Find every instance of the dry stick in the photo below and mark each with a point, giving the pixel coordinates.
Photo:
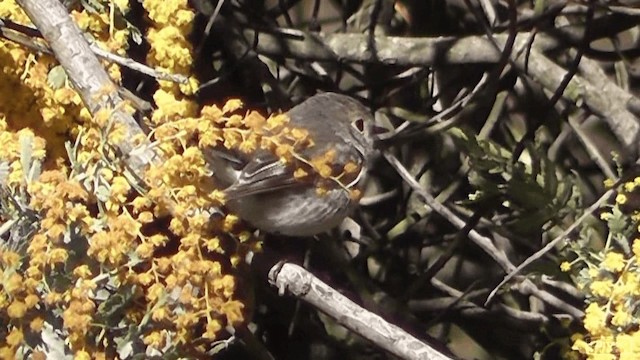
(303, 285)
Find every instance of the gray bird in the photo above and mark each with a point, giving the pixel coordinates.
(263, 191)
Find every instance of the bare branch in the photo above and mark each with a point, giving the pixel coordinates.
(305, 286)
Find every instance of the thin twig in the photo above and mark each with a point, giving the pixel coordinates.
(482, 241)
(22, 35)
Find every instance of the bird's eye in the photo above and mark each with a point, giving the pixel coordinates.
(358, 124)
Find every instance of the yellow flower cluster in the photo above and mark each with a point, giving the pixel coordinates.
(611, 280)
(95, 232)
(171, 50)
(26, 97)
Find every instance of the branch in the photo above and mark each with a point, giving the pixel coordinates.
(305, 286)
(617, 107)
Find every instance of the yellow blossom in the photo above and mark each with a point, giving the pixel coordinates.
(629, 186)
(614, 261)
(580, 345)
(636, 248)
(145, 250)
(145, 278)
(276, 121)
(595, 320)
(232, 105)
(13, 284)
(58, 256)
(602, 288)
(621, 317)
(154, 339)
(17, 309)
(145, 217)
(81, 355)
(229, 222)
(15, 337)
(300, 173)
(160, 314)
(36, 325)
(31, 301)
(7, 352)
(254, 120)
(212, 328)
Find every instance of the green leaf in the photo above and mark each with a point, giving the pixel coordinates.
(57, 77)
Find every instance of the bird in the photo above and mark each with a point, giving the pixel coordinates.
(264, 191)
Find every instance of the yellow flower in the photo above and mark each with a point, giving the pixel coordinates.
(614, 261)
(13, 284)
(17, 309)
(58, 256)
(213, 244)
(36, 324)
(233, 311)
(595, 320)
(145, 250)
(15, 337)
(211, 113)
(9, 258)
(120, 188)
(154, 339)
(300, 173)
(232, 105)
(276, 121)
(629, 186)
(160, 314)
(52, 298)
(621, 199)
(628, 346)
(602, 288)
(212, 328)
(565, 266)
(145, 217)
(155, 291)
(254, 120)
(229, 222)
(31, 301)
(580, 345)
(7, 352)
(621, 317)
(145, 278)
(82, 355)
(603, 347)
(636, 248)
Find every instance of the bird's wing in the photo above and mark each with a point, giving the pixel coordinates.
(262, 175)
